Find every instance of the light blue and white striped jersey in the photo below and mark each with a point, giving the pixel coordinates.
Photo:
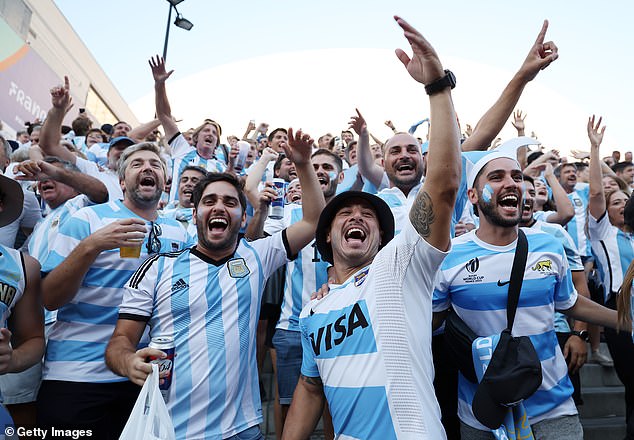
(46, 231)
(474, 281)
(78, 339)
(100, 153)
(543, 216)
(577, 226)
(369, 340)
(211, 309)
(183, 155)
(12, 281)
(613, 249)
(304, 276)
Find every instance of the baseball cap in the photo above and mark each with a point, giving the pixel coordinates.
(12, 198)
(383, 212)
(121, 140)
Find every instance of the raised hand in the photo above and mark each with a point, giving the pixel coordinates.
(357, 123)
(266, 196)
(580, 155)
(424, 65)
(389, 124)
(60, 96)
(518, 121)
(540, 56)
(157, 64)
(269, 155)
(595, 131)
(299, 147)
(35, 170)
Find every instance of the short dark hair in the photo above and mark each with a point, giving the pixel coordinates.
(620, 166)
(325, 152)
(528, 178)
(278, 162)
(201, 170)
(534, 155)
(272, 134)
(81, 126)
(210, 178)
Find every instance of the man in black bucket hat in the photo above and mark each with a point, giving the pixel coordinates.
(367, 344)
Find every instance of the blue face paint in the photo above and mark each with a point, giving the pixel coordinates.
(332, 176)
(487, 193)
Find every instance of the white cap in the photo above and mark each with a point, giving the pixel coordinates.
(477, 167)
(507, 150)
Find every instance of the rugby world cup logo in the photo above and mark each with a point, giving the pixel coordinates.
(473, 265)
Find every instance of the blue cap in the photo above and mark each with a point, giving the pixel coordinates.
(121, 140)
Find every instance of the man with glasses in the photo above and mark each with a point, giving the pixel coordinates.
(94, 254)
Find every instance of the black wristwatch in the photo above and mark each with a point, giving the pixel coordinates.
(583, 334)
(449, 80)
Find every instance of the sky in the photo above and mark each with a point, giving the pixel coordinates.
(309, 64)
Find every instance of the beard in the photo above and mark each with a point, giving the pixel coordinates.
(144, 200)
(228, 242)
(489, 211)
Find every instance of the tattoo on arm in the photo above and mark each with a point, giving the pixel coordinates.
(315, 381)
(422, 214)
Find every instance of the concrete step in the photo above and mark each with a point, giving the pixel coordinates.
(604, 428)
(602, 402)
(594, 375)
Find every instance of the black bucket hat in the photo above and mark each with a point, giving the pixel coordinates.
(383, 212)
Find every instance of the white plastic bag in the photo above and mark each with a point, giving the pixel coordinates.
(149, 419)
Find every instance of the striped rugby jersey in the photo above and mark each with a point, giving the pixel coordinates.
(613, 249)
(369, 340)
(12, 281)
(577, 226)
(183, 155)
(474, 279)
(211, 309)
(78, 339)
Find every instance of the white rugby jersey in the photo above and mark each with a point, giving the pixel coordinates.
(577, 226)
(474, 279)
(183, 155)
(613, 249)
(211, 310)
(369, 340)
(78, 339)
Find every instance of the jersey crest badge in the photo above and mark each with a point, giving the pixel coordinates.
(360, 278)
(238, 268)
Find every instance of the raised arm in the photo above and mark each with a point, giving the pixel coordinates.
(80, 182)
(565, 211)
(257, 171)
(539, 57)
(434, 204)
(140, 132)
(163, 109)
(50, 134)
(298, 150)
(365, 159)
(596, 203)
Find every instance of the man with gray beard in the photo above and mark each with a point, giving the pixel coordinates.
(95, 252)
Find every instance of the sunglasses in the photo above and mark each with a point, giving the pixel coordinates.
(153, 244)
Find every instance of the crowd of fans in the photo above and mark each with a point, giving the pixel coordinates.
(229, 278)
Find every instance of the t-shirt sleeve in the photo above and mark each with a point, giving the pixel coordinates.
(180, 147)
(31, 211)
(272, 251)
(599, 229)
(138, 292)
(309, 366)
(565, 293)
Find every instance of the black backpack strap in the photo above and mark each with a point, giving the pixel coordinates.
(517, 276)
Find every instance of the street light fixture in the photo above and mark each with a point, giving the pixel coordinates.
(180, 22)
